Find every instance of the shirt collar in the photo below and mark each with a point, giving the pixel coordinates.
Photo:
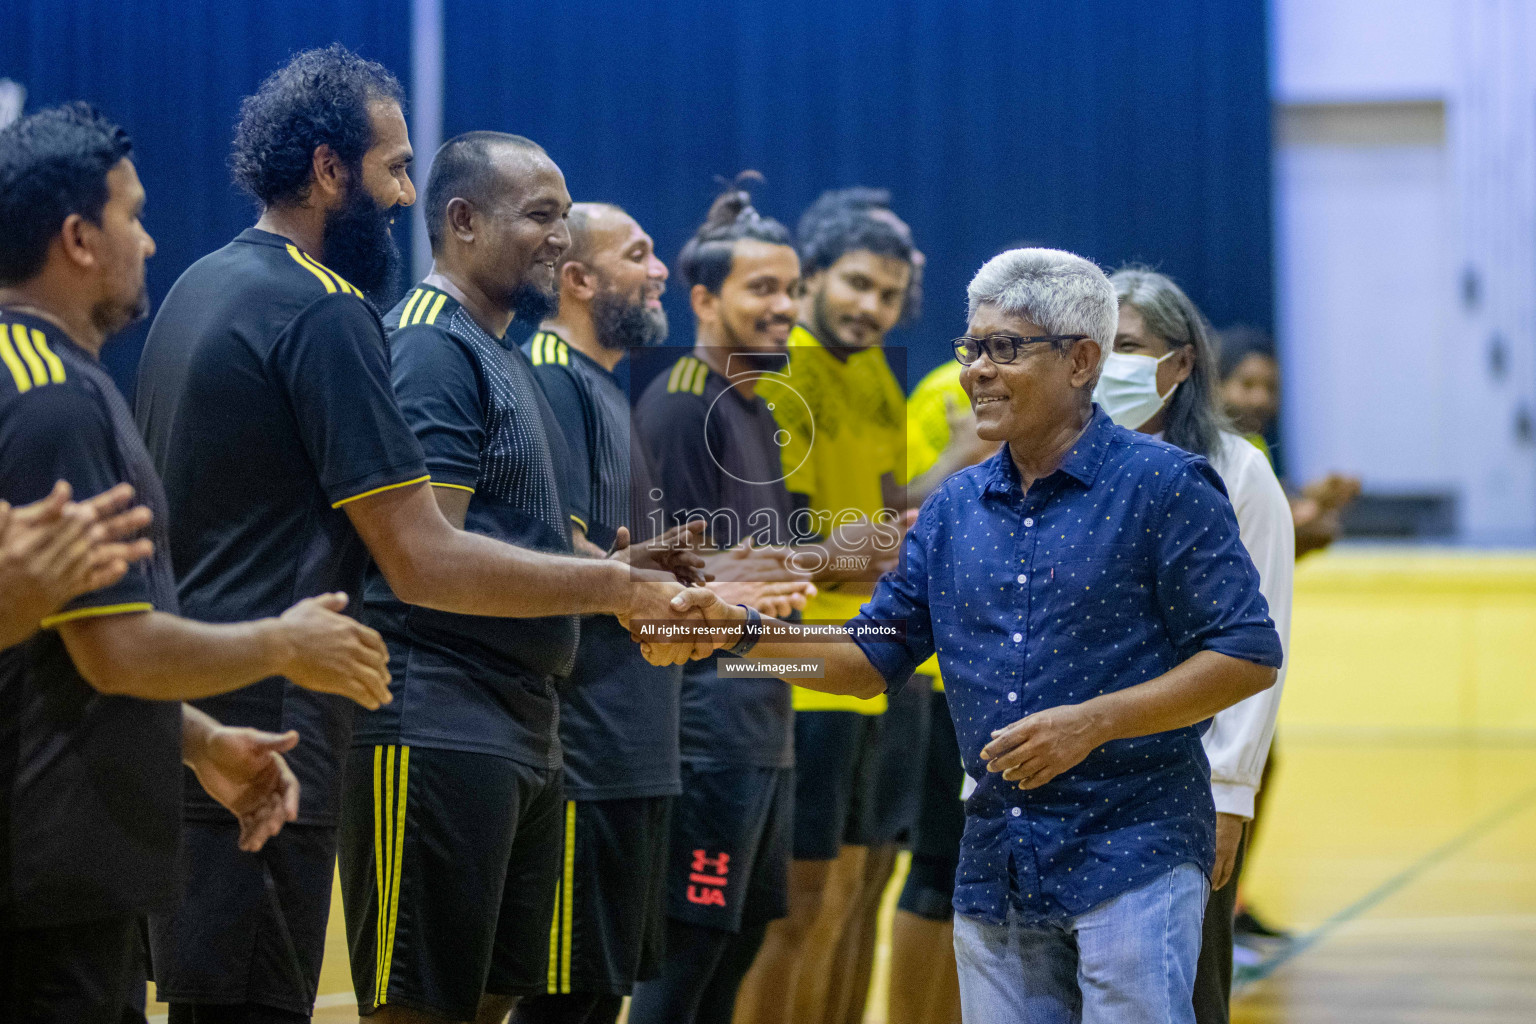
(1081, 464)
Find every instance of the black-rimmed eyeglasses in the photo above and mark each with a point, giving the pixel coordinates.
(1004, 348)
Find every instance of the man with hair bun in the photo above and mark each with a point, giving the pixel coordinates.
(843, 412)
(710, 437)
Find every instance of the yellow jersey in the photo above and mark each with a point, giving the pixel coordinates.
(844, 429)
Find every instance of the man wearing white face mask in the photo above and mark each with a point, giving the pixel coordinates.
(1161, 379)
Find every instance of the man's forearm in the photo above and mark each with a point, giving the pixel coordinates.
(1189, 693)
(196, 728)
(14, 628)
(847, 669)
(473, 575)
(158, 656)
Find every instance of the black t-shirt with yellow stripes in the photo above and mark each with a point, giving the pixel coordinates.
(265, 401)
(90, 784)
(475, 683)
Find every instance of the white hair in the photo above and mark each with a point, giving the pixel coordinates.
(1060, 291)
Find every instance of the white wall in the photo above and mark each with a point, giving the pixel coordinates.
(1405, 134)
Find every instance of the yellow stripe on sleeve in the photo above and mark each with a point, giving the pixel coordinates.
(437, 307)
(578, 521)
(568, 912)
(298, 258)
(410, 304)
(562, 352)
(33, 360)
(342, 283)
(13, 362)
(676, 375)
(536, 350)
(457, 487)
(421, 307)
(128, 608)
(379, 490)
(55, 364)
(699, 377)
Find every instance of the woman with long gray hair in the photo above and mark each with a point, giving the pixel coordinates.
(1161, 379)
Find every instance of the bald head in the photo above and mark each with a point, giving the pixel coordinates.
(478, 167)
(594, 227)
(610, 278)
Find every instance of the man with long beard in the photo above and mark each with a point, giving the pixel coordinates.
(618, 714)
(265, 398)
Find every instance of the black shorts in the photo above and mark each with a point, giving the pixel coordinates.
(930, 887)
(464, 869)
(86, 973)
(609, 926)
(837, 772)
(728, 866)
(899, 772)
(251, 926)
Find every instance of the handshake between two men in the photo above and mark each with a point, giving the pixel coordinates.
(690, 604)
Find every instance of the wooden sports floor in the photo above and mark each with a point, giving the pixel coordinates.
(1399, 839)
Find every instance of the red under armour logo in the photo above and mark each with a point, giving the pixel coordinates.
(708, 875)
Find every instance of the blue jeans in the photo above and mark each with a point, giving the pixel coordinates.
(1130, 960)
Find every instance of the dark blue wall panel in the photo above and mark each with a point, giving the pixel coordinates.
(1119, 129)
(173, 72)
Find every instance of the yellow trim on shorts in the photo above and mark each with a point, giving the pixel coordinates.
(131, 607)
(388, 847)
(570, 897)
(560, 921)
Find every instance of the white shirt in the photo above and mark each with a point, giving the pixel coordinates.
(1237, 743)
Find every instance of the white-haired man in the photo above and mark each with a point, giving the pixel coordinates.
(1090, 603)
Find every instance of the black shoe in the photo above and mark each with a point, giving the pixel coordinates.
(1249, 925)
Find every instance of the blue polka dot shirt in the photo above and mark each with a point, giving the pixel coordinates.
(1109, 572)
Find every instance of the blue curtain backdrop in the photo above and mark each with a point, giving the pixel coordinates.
(173, 73)
(1119, 129)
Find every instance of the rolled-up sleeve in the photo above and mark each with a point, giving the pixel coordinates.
(1207, 586)
(902, 595)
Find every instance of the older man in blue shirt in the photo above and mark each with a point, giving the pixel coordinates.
(1091, 607)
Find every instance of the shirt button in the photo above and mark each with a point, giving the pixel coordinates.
(1023, 578)
(1017, 637)
(1030, 521)
(1013, 695)
(1017, 812)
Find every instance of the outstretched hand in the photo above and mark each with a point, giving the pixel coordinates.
(674, 552)
(244, 770)
(704, 607)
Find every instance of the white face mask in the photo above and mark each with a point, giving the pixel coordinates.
(1127, 389)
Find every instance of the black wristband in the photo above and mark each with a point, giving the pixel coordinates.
(751, 633)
